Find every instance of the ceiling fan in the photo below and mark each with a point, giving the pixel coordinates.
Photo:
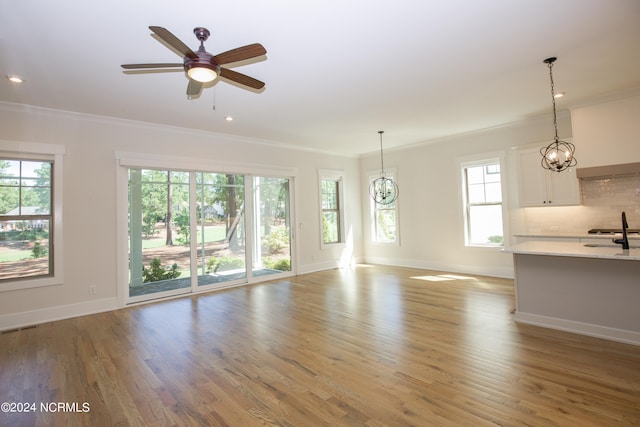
(202, 67)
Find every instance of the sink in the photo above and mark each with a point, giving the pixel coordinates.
(602, 245)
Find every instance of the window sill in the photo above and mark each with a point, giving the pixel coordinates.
(29, 283)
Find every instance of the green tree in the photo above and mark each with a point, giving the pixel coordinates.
(9, 191)
(162, 191)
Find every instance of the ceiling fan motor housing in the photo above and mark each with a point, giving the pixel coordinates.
(204, 60)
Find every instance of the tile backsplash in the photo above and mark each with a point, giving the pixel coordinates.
(620, 191)
(603, 199)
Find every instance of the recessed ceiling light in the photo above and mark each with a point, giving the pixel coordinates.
(15, 79)
(229, 118)
(559, 95)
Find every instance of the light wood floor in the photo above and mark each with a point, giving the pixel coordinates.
(371, 346)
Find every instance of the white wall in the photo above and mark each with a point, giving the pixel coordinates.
(430, 202)
(89, 206)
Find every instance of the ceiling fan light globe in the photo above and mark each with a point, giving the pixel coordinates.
(202, 74)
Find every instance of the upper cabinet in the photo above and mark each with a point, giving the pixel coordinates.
(541, 187)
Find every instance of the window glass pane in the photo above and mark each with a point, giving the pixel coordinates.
(9, 200)
(272, 249)
(485, 225)
(386, 225)
(35, 201)
(476, 193)
(493, 192)
(159, 233)
(330, 227)
(220, 228)
(25, 187)
(9, 172)
(329, 194)
(475, 175)
(24, 248)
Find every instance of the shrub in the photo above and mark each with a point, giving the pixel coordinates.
(38, 250)
(281, 264)
(156, 272)
(276, 240)
(223, 263)
(497, 240)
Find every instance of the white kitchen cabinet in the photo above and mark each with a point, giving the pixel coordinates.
(541, 187)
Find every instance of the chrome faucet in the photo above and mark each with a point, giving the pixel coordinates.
(625, 240)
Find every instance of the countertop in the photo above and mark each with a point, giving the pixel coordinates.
(570, 235)
(575, 249)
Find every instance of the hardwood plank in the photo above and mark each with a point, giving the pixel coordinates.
(368, 346)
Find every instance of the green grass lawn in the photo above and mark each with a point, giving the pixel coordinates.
(7, 255)
(212, 233)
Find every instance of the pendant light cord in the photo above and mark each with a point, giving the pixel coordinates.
(553, 99)
(381, 155)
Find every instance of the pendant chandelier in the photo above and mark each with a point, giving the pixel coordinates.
(559, 155)
(383, 190)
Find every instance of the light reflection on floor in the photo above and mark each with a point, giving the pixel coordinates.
(443, 277)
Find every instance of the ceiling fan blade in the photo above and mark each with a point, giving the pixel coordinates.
(173, 41)
(158, 65)
(240, 54)
(194, 88)
(243, 79)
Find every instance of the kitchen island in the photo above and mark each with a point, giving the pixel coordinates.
(587, 289)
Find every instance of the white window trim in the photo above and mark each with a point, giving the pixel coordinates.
(55, 153)
(371, 175)
(477, 160)
(338, 176)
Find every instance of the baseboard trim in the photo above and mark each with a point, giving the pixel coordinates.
(326, 265)
(612, 334)
(506, 273)
(50, 314)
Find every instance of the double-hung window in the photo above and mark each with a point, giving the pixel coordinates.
(483, 202)
(384, 217)
(30, 223)
(331, 201)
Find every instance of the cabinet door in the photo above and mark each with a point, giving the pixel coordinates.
(540, 187)
(562, 188)
(531, 179)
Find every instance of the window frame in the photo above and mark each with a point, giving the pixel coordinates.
(336, 176)
(53, 153)
(374, 208)
(485, 160)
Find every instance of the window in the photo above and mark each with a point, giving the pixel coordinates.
(482, 189)
(331, 202)
(330, 211)
(30, 217)
(384, 217)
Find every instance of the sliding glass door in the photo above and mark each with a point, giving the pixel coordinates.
(192, 231)
(272, 226)
(221, 228)
(159, 232)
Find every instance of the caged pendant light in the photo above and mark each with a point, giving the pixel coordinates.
(559, 155)
(383, 190)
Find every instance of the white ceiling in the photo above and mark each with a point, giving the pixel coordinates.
(336, 71)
